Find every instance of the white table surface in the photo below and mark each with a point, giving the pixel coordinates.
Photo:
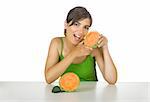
(87, 92)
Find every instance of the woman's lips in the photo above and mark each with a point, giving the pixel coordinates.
(77, 37)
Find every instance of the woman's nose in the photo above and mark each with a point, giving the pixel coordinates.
(81, 30)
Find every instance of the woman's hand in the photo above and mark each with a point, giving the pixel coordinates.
(82, 50)
(102, 41)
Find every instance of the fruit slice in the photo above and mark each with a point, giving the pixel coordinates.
(69, 82)
(91, 39)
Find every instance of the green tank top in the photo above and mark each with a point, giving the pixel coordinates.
(85, 70)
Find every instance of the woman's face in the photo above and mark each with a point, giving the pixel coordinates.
(76, 32)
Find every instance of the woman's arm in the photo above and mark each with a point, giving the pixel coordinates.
(54, 69)
(105, 62)
(110, 71)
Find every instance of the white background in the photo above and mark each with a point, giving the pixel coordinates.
(27, 27)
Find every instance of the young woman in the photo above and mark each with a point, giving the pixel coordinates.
(69, 54)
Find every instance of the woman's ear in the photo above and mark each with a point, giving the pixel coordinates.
(65, 25)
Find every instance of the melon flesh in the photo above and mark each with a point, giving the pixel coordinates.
(91, 39)
(69, 81)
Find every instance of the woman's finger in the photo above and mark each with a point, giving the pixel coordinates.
(88, 48)
(100, 40)
(100, 36)
(100, 45)
(81, 43)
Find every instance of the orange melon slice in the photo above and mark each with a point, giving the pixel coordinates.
(91, 39)
(69, 82)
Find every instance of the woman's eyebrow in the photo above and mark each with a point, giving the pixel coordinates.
(87, 25)
(80, 24)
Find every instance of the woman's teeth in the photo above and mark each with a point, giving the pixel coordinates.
(77, 37)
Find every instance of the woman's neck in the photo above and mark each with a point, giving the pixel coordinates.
(68, 43)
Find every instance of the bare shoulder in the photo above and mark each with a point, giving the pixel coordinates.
(56, 43)
(56, 40)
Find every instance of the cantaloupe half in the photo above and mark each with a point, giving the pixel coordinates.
(69, 82)
(91, 39)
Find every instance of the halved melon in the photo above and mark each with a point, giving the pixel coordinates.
(69, 82)
(91, 39)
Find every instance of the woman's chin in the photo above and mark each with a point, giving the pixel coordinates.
(75, 43)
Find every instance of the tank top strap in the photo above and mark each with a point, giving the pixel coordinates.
(62, 45)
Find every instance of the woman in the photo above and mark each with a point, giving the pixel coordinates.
(69, 54)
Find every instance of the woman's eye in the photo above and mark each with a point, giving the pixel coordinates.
(87, 28)
(76, 24)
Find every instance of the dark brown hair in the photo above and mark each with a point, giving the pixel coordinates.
(76, 14)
